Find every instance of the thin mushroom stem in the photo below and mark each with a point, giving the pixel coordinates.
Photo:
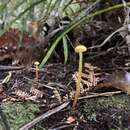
(79, 49)
(78, 80)
(37, 70)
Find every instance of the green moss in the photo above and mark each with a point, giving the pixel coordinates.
(117, 101)
(18, 113)
(106, 109)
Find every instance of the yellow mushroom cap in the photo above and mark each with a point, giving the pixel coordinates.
(80, 48)
(36, 63)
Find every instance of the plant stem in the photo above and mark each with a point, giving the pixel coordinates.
(37, 69)
(77, 93)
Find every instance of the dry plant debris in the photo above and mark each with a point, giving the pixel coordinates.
(89, 78)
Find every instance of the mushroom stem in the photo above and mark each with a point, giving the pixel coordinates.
(79, 49)
(77, 93)
(37, 69)
(37, 72)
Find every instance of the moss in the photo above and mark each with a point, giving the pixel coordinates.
(106, 110)
(18, 113)
(117, 101)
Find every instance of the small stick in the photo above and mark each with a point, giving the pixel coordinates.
(106, 94)
(43, 116)
(11, 68)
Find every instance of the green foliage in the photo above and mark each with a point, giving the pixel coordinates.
(19, 114)
(12, 11)
(65, 46)
(75, 24)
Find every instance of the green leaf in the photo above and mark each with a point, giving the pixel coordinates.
(65, 47)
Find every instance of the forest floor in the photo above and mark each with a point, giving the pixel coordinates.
(46, 103)
(23, 99)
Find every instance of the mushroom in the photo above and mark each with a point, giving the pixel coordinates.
(37, 69)
(79, 49)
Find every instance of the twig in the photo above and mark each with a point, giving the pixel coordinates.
(50, 35)
(39, 84)
(43, 116)
(102, 53)
(100, 95)
(11, 68)
(65, 126)
(108, 38)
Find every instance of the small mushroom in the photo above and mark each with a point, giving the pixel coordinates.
(79, 49)
(37, 69)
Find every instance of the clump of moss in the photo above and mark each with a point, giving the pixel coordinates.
(18, 113)
(106, 112)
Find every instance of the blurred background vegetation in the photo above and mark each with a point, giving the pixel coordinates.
(17, 13)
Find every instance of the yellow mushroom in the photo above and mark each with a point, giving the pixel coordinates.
(37, 69)
(79, 49)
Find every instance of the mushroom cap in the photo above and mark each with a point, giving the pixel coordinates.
(36, 63)
(80, 48)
